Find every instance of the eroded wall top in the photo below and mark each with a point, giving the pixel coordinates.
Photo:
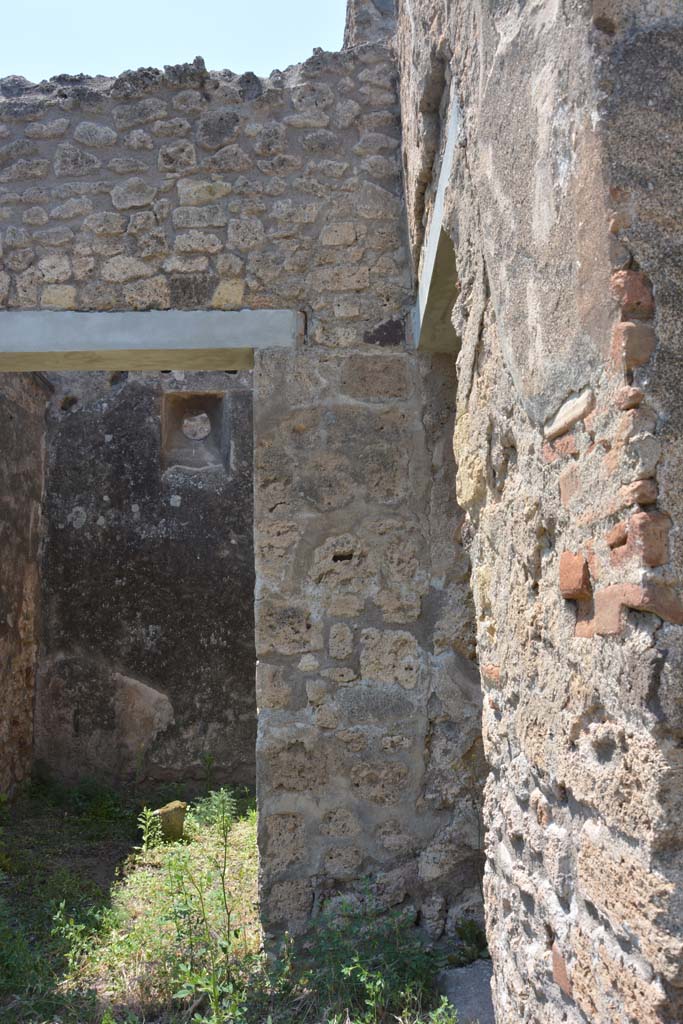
(189, 189)
(369, 21)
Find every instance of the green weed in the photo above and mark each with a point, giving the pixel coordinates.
(363, 965)
(150, 828)
(175, 938)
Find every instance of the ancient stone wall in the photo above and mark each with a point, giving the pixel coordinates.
(23, 399)
(186, 189)
(148, 663)
(369, 756)
(562, 207)
(369, 21)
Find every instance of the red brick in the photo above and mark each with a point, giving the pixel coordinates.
(562, 447)
(648, 536)
(629, 398)
(585, 619)
(640, 492)
(575, 581)
(560, 972)
(648, 540)
(652, 597)
(610, 602)
(633, 292)
(617, 536)
(665, 602)
(590, 422)
(632, 345)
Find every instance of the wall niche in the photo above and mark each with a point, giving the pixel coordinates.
(195, 431)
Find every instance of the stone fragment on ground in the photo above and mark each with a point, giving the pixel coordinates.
(469, 990)
(172, 819)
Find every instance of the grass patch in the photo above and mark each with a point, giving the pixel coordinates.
(172, 935)
(58, 849)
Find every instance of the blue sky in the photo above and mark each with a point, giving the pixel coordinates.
(41, 38)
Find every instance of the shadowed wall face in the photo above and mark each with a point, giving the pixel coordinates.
(147, 670)
(22, 426)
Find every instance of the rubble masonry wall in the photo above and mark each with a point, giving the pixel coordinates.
(562, 208)
(186, 189)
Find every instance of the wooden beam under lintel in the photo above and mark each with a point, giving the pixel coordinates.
(130, 359)
(154, 340)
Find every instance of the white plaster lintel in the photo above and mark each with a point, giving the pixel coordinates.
(55, 331)
(433, 234)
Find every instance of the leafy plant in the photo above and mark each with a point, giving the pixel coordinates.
(150, 827)
(16, 962)
(218, 808)
(217, 980)
(208, 761)
(444, 1013)
(363, 965)
(176, 939)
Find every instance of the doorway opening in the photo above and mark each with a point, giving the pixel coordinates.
(146, 663)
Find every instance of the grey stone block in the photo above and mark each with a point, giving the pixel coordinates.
(469, 990)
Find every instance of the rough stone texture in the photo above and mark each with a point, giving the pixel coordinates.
(188, 189)
(563, 208)
(286, 192)
(23, 399)
(644, 141)
(194, 190)
(172, 819)
(369, 723)
(147, 666)
(369, 21)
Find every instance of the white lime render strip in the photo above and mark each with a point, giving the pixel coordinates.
(178, 339)
(436, 264)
